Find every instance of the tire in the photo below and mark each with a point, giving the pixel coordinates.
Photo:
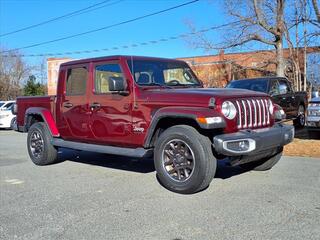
(13, 123)
(183, 147)
(264, 164)
(40, 149)
(300, 121)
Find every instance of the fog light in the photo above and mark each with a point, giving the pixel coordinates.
(289, 136)
(242, 145)
(238, 146)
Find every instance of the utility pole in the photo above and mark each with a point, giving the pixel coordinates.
(305, 47)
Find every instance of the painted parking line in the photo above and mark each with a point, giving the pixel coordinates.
(14, 181)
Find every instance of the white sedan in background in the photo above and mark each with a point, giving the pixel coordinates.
(313, 119)
(7, 119)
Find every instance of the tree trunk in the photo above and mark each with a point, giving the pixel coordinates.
(280, 60)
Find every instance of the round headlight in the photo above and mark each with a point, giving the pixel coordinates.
(270, 107)
(229, 110)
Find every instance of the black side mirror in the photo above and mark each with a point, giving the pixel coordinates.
(116, 84)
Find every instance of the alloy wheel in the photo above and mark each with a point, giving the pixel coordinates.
(178, 160)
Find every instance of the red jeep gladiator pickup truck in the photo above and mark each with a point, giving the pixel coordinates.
(142, 106)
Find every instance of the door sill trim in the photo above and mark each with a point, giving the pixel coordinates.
(122, 151)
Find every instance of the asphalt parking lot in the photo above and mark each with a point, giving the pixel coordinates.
(96, 196)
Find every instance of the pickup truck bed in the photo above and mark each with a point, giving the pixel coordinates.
(27, 103)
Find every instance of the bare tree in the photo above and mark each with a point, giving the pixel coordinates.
(271, 23)
(252, 21)
(13, 70)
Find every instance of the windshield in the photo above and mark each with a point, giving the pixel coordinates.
(259, 85)
(162, 73)
(1, 104)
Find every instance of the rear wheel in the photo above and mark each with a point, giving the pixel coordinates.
(264, 164)
(40, 149)
(183, 160)
(300, 121)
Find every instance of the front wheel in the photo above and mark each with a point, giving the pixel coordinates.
(40, 149)
(183, 160)
(264, 164)
(300, 121)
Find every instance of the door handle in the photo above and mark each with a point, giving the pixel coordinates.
(94, 106)
(67, 105)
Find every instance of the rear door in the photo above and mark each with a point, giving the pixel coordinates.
(74, 109)
(111, 113)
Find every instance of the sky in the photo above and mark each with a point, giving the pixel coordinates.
(17, 14)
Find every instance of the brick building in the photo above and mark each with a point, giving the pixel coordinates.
(53, 65)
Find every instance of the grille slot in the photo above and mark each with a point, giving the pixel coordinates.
(252, 113)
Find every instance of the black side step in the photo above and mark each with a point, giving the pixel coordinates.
(130, 152)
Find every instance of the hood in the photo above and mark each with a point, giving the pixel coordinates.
(198, 95)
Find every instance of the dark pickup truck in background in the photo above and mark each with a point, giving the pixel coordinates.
(293, 103)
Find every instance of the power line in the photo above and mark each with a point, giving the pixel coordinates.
(151, 42)
(90, 10)
(71, 14)
(103, 28)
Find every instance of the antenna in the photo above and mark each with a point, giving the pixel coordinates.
(133, 85)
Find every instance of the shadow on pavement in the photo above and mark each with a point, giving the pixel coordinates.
(144, 165)
(224, 170)
(307, 133)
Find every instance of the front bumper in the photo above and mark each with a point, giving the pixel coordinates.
(251, 142)
(313, 121)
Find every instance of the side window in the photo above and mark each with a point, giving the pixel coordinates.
(76, 81)
(274, 88)
(102, 75)
(283, 87)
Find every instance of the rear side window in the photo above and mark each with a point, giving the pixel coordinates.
(102, 75)
(76, 81)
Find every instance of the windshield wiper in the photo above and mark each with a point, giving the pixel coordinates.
(158, 84)
(184, 85)
(155, 84)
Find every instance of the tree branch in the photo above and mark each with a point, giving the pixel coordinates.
(261, 21)
(316, 9)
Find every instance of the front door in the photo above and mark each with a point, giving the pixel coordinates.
(111, 113)
(280, 95)
(75, 111)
